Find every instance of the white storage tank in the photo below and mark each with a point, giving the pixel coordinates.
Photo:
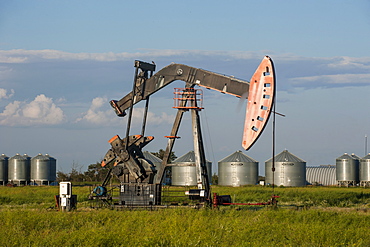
(4, 169)
(289, 170)
(184, 170)
(237, 169)
(19, 169)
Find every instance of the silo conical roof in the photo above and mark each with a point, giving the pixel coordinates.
(345, 156)
(40, 157)
(286, 156)
(355, 156)
(188, 157)
(3, 157)
(238, 156)
(18, 157)
(151, 157)
(367, 157)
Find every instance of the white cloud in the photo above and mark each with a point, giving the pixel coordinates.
(12, 57)
(5, 72)
(334, 79)
(293, 72)
(350, 63)
(26, 56)
(41, 111)
(96, 115)
(4, 93)
(103, 117)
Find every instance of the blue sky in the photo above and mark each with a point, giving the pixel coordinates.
(62, 61)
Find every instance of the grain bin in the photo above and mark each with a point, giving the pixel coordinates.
(355, 156)
(347, 172)
(321, 175)
(289, 170)
(19, 169)
(184, 170)
(237, 169)
(4, 169)
(157, 162)
(53, 168)
(364, 171)
(40, 169)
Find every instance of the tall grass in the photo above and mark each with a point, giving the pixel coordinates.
(36, 195)
(338, 217)
(184, 227)
(301, 196)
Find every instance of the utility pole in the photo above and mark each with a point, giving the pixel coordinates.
(365, 145)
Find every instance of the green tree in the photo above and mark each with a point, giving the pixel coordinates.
(214, 179)
(95, 172)
(76, 174)
(61, 176)
(160, 154)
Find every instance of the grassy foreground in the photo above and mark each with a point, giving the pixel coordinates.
(325, 217)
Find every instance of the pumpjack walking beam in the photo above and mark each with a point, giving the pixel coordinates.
(260, 92)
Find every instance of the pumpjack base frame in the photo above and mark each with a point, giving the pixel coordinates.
(138, 194)
(150, 196)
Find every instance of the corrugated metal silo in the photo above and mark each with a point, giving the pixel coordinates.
(184, 170)
(321, 175)
(237, 169)
(365, 171)
(4, 169)
(289, 170)
(53, 168)
(157, 162)
(347, 172)
(154, 159)
(40, 169)
(19, 169)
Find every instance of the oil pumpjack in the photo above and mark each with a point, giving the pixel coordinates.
(140, 182)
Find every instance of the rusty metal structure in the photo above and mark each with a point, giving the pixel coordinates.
(140, 182)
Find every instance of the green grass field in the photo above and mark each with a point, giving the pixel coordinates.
(310, 216)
